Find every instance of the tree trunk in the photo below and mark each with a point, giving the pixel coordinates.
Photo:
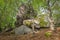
(51, 24)
(50, 18)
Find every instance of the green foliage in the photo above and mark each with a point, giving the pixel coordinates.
(8, 10)
(42, 23)
(38, 3)
(48, 34)
(27, 23)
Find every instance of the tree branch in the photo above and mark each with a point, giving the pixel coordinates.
(53, 3)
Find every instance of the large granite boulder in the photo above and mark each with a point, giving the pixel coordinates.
(22, 30)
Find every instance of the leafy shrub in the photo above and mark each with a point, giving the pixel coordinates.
(27, 22)
(8, 10)
(42, 23)
(48, 34)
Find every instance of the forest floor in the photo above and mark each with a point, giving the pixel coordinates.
(37, 36)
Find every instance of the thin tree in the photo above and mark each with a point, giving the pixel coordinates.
(50, 16)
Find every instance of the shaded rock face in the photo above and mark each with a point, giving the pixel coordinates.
(22, 30)
(36, 25)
